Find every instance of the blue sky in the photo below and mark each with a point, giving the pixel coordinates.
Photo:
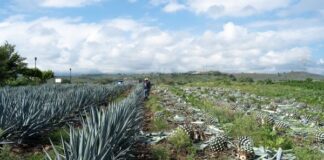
(111, 36)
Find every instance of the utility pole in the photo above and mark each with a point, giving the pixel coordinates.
(304, 61)
(70, 75)
(35, 61)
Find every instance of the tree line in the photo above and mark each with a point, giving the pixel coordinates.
(14, 70)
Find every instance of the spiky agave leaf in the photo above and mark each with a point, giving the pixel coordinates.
(30, 111)
(107, 134)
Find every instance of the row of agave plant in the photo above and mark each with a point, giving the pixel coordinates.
(107, 133)
(27, 112)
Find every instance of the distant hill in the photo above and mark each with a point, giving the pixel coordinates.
(281, 76)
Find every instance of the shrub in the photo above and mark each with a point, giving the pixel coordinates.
(159, 124)
(246, 79)
(180, 140)
(232, 77)
(268, 81)
(160, 152)
(308, 80)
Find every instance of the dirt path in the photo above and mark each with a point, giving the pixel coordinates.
(164, 114)
(142, 151)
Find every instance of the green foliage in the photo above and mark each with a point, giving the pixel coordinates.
(11, 63)
(223, 114)
(310, 93)
(5, 153)
(153, 104)
(65, 81)
(307, 84)
(232, 77)
(32, 73)
(242, 126)
(192, 152)
(104, 81)
(59, 134)
(264, 136)
(30, 77)
(38, 156)
(185, 78)
(238, 124)
(13, 67)
(46, 75)
(21, 81)
(308, 80)
(246, 79)
(160, 152)
(180, 140)
(267, 81)
(305, 153)
(232, 98)
(159, 124)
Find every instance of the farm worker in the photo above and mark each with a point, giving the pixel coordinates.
(147, 87)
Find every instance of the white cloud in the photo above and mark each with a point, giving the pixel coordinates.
(287, 23)
(158, 2)
(132, 1)
(301, 6)
(173, 6)
(32, 4)
(65, 3)
(321, 61)
(218, 8)
(232, 32)
(273, 58)
(126, 45)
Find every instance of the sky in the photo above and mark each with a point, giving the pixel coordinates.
(137, 36)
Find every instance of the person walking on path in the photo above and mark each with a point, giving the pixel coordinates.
(147, 87)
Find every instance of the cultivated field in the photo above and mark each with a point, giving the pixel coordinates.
(200, 116)
(226, 118)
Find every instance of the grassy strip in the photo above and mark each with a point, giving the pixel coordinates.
(300, 93)
(158, 123)
(262, 135)
(223, 114)
(55, 137)
(182, 144)
(123, 95)
(178, 146)
(160, 152)
(236, 124)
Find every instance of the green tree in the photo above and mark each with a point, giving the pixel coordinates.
(246, 79)
(11, 63)
(47, 75)
(32, 73)
(232, 77)
(309, 80)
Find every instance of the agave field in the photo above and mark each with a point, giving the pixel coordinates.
(107, 128)
(107, 133)
(27, 112)
(239, 121)
(197, 120)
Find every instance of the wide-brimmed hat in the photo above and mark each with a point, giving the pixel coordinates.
(146, 79)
